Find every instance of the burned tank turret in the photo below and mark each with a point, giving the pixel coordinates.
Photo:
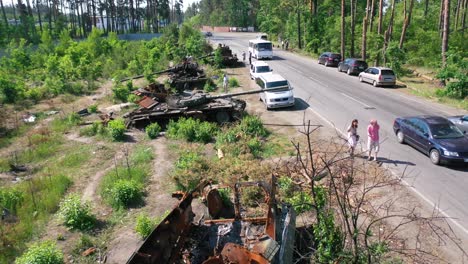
(217, 108)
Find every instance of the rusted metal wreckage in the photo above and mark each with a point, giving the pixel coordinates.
(226, 235)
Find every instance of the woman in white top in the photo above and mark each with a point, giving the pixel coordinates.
(353, 137)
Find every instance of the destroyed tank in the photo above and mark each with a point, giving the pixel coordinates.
(184, 76)
(216, 108)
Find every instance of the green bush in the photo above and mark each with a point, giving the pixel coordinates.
(117, 129)
(253, 126)
(209, 87)
(144, 225)
(73, 119)
(192, 130)
(76, 214)
(153, 130)
(233, 82)
(300, 201)
(93, 108)
(11, 198)
(95, 129)
(121, 92)
(132, 98)
(189, 169)
(42, 253)
(125, 193)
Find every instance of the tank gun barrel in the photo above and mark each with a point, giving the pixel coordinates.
(142, 75)
(248, 92)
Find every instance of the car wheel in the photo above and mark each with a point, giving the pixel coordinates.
(434, 155)
(360, 79)
(374, 83)
(349, 71)
(400, 137)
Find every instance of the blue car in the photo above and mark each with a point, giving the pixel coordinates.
(435, 136)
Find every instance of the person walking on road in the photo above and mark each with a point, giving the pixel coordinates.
(353, 137)
(225, 83)
(373, 139)
(243, 56)
(282, 44)
(287, 44)
(250, 58)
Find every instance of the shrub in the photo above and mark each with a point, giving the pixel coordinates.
(253, 126)
(121, 92)
(233, 82)
(42, 253)
(10, 199)
(125, 193)
(255, 146)
(117, 129)
(95, 129)
(192, 130)
(209, 87)
(144, 225)
(133, 98)
(300, 201)
(93, 108)
(76, 214)
(73, 119)
(153, 130)
(189, 170)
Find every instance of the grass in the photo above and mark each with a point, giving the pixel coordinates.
(428, 90)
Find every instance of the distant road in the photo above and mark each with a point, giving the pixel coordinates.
(338, 98)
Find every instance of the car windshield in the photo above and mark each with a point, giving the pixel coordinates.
(335, 56)
(264, 46)
(263, 69)
(278, 84)
(387, 72)
(445, 131)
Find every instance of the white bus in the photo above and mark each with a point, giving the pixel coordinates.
(261, 49)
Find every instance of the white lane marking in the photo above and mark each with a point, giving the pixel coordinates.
(356, 100)
(396, 174)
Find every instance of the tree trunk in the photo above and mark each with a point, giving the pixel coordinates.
(406, 24)
(446, 31)
(353, 26)
(457, 14)
(379, 26)
(371, 20)
(441, 17)
(426, 8)
(299, 44)
(39, 14)
(463, 19)
(389, 31)
(364, 39)
(4, 15)
(343, 40)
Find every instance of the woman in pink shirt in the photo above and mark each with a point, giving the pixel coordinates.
(373, 139)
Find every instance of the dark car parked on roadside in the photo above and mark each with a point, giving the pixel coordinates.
(435, 136)
(329, 59)
(352, 66)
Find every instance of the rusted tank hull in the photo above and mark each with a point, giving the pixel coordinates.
(259, 240)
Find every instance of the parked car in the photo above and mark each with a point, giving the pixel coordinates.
(257, 68)
(208, 34)
(378, 76)
(435, 136)
(329, 59)
(461, 122)
(352, 66)
(281, 96)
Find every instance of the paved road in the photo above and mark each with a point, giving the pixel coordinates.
(338, 98)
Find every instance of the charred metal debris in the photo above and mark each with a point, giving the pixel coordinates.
(225, 232)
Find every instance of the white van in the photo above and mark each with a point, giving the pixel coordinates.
(281, 96)
(257, 68)
(261, 49)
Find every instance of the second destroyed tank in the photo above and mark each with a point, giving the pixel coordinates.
(216, 108)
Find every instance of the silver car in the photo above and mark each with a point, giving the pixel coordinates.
(378, 76)
(460, 121)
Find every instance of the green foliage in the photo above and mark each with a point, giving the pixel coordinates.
(11, 199)
(396, 58)
(144, 225)
(192, 130)
(300, 201)
(253, 126)
(189, 170)
(123, 186)
(153, 130)
(233, 82)
(209, 86)
(218, 59)
(255, 146)
(95, 129)
(117, 129)
(121, 92)
(456, 73)
(42, 253)
(93, 108)
(125, 193)
(76, 214)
